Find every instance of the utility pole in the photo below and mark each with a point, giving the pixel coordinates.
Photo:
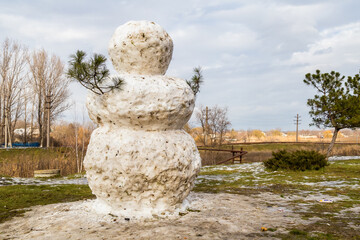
(7, 130)
(297, 122)
(48, 107)
(25, 133)
(206, 123)
(6, 133)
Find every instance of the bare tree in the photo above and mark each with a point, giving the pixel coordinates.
(202, 119)
(219, 122)
(214, 122)
(25, 115)
(12, 74)
(48, 81)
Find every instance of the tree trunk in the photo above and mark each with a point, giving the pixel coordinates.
(332, 142)
(1, 119)
(25, 116)
(3, 129)
(221, 139)
(82, 149)
(76, 149)
(44, 132)
(44, 137)
(32, 120)
(39, 113)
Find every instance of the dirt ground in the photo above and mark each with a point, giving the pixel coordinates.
(209, 216)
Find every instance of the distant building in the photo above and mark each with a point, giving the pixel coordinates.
(308, 137)
(21, 131)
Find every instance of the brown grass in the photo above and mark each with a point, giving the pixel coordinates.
(23, 162)
(261, 152)
(211, 158)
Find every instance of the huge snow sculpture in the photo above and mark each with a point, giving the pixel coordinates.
(139, 161)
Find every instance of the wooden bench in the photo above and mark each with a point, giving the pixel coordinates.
(47, 173)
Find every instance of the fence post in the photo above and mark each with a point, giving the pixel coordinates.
(233, 153)
(241, 155)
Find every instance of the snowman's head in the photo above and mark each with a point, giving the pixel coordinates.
(141, 47)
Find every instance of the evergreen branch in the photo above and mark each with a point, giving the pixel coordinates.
(92, 73)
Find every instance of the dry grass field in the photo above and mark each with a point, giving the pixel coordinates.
(258, 152)
(22, 162)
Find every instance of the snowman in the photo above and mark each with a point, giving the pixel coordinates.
(140, 162)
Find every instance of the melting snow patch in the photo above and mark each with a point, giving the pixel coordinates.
(33, 181)
(337, 158)
(336, 184)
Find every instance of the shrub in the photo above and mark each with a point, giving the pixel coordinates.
(300, 160)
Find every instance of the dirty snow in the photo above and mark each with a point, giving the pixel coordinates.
(209, 216)
(337, 158)
(36, 181)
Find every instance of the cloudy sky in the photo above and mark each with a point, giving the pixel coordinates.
(254, 53)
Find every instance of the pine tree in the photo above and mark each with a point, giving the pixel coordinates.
(196, 80)
(337, 103)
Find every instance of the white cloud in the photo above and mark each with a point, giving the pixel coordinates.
(337, 48)
(49, 31)
(243, 39)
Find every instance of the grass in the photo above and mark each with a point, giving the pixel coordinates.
(339, 180)
(14, 200)
(21, 162)
(218, 172)
(348, 171)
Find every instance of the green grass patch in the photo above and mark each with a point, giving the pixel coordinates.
(297, 232)
(76, 175)
(15, 199)
(339, 179)
(352, 193)
(217, 172)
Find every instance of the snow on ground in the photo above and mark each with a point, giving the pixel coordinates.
(336, 184)
(234, 173)
(37, 181)
(256, 167)
(210, 216)
(336, 158)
